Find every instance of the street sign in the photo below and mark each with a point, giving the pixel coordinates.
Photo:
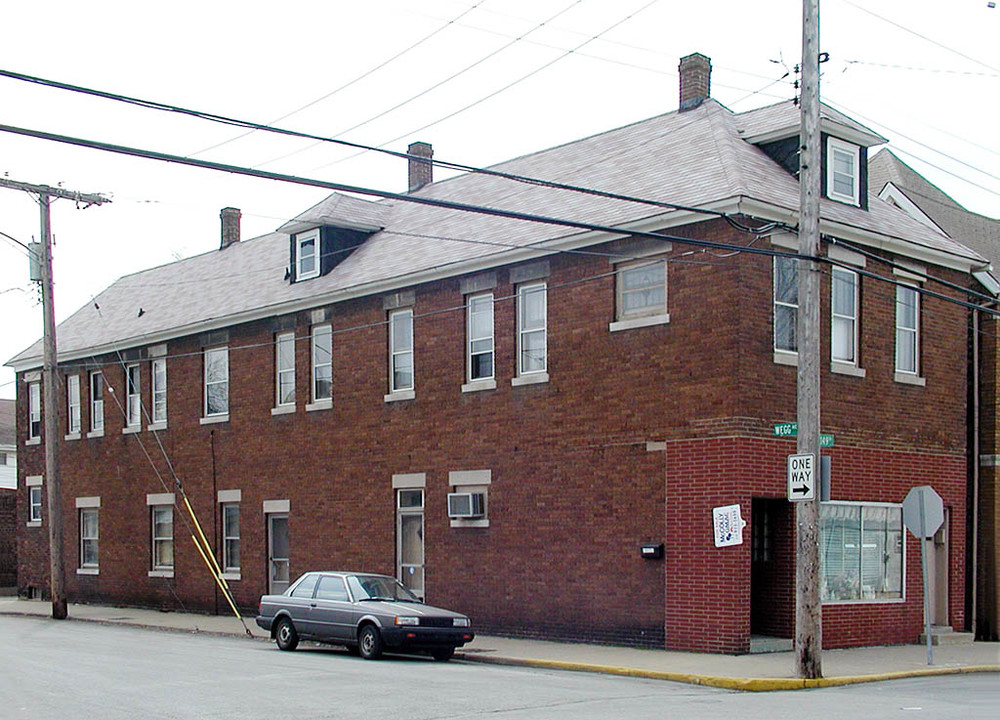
(801, 477)
(923, 511)
(791, 429)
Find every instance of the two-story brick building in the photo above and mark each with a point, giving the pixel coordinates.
(505, 412)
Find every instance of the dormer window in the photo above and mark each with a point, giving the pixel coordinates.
(843, 171)
(307, 255)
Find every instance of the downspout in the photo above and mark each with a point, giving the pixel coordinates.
(976, 386)
(215, 511)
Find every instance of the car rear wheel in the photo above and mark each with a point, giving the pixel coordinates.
(370, 643)
(443, 654)
(285, 635)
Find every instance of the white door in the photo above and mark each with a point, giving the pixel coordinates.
(277, 553)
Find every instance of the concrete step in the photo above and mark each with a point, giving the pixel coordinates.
(943, 635)
(765, 644)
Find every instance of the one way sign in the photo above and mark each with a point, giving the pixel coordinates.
(801, 477)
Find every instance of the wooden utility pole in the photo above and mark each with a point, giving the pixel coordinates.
(808, 610)
(50, 401)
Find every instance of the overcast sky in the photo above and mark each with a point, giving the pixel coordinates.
(482, 80)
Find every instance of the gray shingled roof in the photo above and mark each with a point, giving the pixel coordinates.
(693, 158)
(978, 232)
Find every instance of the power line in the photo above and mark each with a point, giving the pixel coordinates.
(921, 69)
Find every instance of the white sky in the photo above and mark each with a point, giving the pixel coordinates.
(923, 73)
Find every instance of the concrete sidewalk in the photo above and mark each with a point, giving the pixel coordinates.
(769, 671)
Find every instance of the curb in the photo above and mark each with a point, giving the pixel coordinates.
(730, 683)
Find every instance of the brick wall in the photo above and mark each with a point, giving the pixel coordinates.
(574, 489)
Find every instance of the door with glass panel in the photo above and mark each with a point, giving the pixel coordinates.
(277, 553)
(410, 539)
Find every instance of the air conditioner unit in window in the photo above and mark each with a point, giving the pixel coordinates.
(466, 505)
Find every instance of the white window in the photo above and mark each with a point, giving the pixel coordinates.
(642, 289)
(96, 401)
(159, 369)
(216, 381)
(307, 255)
(34, 411)
(907, 329)
(531, 329)
(89, 532)
(73, 404)
(843, 172)
(480, 337)
(133, 406)
(786, 304)
(400, 350)
(163, 537)
(35, 504)
(844, 312)
(231, 537)
(322, 362)
(284, 363)
(861, 552)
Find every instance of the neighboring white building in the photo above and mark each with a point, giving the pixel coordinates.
(8, 446)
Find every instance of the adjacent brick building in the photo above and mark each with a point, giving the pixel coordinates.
(532, 422)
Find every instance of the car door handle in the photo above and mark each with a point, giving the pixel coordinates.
(312, 604)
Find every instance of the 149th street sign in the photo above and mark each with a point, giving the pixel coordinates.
(801, 477)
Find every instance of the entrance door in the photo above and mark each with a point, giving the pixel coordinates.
(277, 553)
(410, 540)
(937, 573)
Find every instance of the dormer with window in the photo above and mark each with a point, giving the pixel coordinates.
(325, 235)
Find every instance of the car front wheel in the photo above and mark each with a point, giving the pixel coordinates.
(285, 635)
(443, 654)
(370, 643)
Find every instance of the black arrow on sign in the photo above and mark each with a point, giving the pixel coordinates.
(804, 490)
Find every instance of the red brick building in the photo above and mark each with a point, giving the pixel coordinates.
(533, 423)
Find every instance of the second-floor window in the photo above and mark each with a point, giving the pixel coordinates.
(133, 405)
(73, 404)
(401, 350)
(642, 288)
(531, 329)
(844, 312)
(480, 337)
(159, 372)
(34, 411)
(216, 381)
(284, 364)
(907, 329)
(307, 255)
(322, 363)
(786, 304)
(96, 401)
(35, 503)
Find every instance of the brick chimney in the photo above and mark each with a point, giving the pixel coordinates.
(421, 168)
(696, 80)
(230, 227)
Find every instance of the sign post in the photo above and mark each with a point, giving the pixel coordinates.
(923, 515)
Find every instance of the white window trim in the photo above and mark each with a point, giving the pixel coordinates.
(840, 365)
(646, 316)
(471, 302)
(522, 291)
(782, 356)
(163, 570)
(401, 393)
(233, 571)
(215, 417)
(34, 412)
(32, 487)
(133, 413)
(911, 377)
(158, 423)
(96, 412)
(73, 403)
(836, 145)
(299, 240)
(477, 481)
(875, 601)
(279, 406)
(319, 331)
(92, 568)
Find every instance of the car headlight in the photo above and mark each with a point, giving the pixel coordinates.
(407, 620)
(461, 622)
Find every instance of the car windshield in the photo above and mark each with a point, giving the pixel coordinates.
(378, 587)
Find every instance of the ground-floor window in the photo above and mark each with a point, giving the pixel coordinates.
(231, 537)
(89, 533)
(163, 537)
(861, 552)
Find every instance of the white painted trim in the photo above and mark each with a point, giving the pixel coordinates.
(88, 571)
(400, 395)
(409, 481)
(283, 409)
(479, 385)
(324, 404)
(892, 194)
(212, 419)
(536, 378)
(844, 368)
(33, 441)
(72, 436)
(131, 429)
(478, 523)
(160, 573)
(639, 322)
(99, 433)
(277, 506)
(231, 576)
(89, 502)
(910, 379)
(156, 427)
(783, 357)
(229, 496)
(33, 523)
(159, 499)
